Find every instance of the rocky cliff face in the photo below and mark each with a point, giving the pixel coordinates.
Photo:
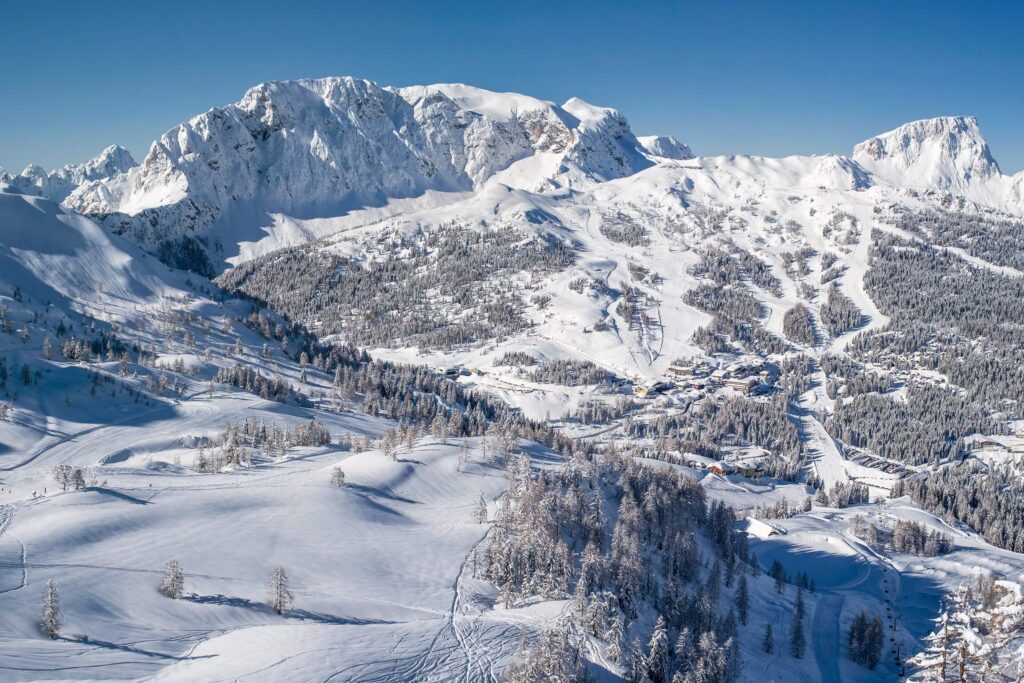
(58, 184)
(320, 147)
(947, 153)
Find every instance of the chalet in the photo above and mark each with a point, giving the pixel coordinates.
(721, 468)
(751, 471)
(762, 529)
(646, 390)
(680, 372)
(745, 385)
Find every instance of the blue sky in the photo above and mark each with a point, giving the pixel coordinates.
(770, 78)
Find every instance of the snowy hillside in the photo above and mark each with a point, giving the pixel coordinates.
(357, 383)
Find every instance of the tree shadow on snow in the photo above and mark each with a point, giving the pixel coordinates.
(226, 601)
(301, 614)
(119, 495)
(105, 644)
(306, 615)
(370, 491)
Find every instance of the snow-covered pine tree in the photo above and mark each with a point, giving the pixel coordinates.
(337, 477)
(657, 652)
(480, 510)
(173, 584)
(743, 600)
(64, 474)
(278, 596)
(797, 638)
(768, 642)
(49, 620)
(439, 428)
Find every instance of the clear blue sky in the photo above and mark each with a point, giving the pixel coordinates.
(762, 77)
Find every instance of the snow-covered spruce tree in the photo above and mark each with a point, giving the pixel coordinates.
(768, 641)
(797, 638)
(278, 596)
(656, 659)
(173, 583)
(480, 510)
(557, 656)
(337, 477)
(49, 620)
(743, 599)
(439, 428)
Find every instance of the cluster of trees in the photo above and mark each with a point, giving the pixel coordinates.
(237, 441)
(831, 274)
(601, 412)
(436, 288)
(914, 538)
(736, 312)
(798, 325)
(733, 266)
(965, 321)
(597, 530)
(742, 421)
(734, 421)
(619, 227)
(781, 509)
(730, 301)
(842, 228)
(905, 536)
(843, 494)
(928, 427)
(839, 314)
(573, 373)
(557, 656)
(992, 238)
(752, 337)
(69, 477)
(848, 378)
(642, 273)
(268, 388)
(797, 263)
(866, 639)
(515, 359)
(795, 376)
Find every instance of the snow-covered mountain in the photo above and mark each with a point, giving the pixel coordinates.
(666, 146)
(56, 185)
(318, 148)
(292, 160)
(506, 388)
(947, 154)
